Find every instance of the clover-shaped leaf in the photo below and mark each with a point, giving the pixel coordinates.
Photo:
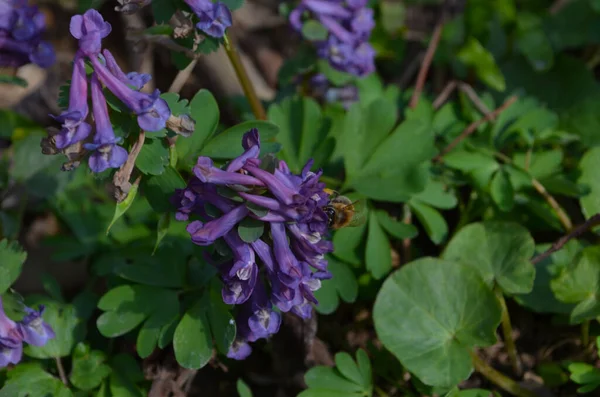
(499, 251)
(431, 313)
(342, 285)
(348, 378)
(89, 368)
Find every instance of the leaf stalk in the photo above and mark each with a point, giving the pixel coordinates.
(502, 381)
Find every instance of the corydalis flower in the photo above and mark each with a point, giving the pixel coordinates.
(291, 247)
(214, 18)
(21, 28)
(32, 329)
(90, 28)
(349, 24)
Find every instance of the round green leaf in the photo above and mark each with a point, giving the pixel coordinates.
(11, 263)
(88, 368)
(499, 251)
(431, 313)
(250, 229)
(153, 157)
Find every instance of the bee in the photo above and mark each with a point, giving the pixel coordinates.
(342, 212)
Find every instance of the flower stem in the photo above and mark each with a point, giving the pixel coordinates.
(61, 371)
(240, 71)
(509, 342)
(500, 380)
(585, 333)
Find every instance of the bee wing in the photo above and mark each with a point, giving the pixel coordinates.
(360, 213)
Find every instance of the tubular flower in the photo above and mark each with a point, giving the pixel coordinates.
(151, 110)
(21, 28)
(32, 329)
(291, 248)
(214, 18)
(349, 24)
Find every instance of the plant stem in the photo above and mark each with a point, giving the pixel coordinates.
(585, 333)
(560, 213)
(500, 380)
(509, 342)
(381, 392)
(61, 371)
(240, 71)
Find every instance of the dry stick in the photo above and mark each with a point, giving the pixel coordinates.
(240, 71)
(61, 371)
(560, 243)
(121, 178)
(467, 89)
(181, 78)
(443, 96)
(562, 215)
(499, 379)
(422, 76)
(473, 127)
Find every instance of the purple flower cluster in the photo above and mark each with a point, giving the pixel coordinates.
(152, 111)
(214, 18)
(21, 27)
(290, 247)
(32, 329)
(349, 24)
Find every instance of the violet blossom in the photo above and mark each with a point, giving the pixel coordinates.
(291, 249)
(74, 137)
(349, 24)
(21, 28)
(214, 17)
(32, 329)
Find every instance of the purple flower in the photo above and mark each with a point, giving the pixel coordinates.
(214, 18)
(35, 331)
(137, 80)
(21, 28)
(152, 111)
(11, 340)
(90, 28)
(290, 244)
(349, 25)
(74, 127)
(106, 152)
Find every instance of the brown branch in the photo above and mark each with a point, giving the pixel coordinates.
(470, 92)
(422, 76)
(443, 96)
(122, 176)
(473, 127)
(560, 243)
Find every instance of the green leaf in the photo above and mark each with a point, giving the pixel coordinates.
(126, 306)
(205, 111)
(502, 191)
(150, 331)
(14, 80)
(153, 157)
(398, 229)
(395, 171)
(579, 283)
(329, 379)
(347, 367)
(343, 285)
(364, 366)
(52, 287)
(89, 368)
(475, 55)
(450, 309)
(302, 129)
(540, 164)
(11, 263)
(222, 324)
(533, 42)
(434, 223)
(159, 189)
(150, 269)
(499, 251)
(436, 195)
(378, 255)
(589, 166)
(162, 229)
(192, 340)
(228, 144)
(68, 327)
(29, 379)
(314, 31)
(122, 207)
(243, 389)
(250, 229)
(124, 377)
(163, 10)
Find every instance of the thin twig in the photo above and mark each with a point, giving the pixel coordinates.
(560, 243)
(61, 371)
(470, 92)
(410, 70)
(560, 213)
(181, 78)
(122, 176)
(473, 127)
(422, 76)
(443, 96)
